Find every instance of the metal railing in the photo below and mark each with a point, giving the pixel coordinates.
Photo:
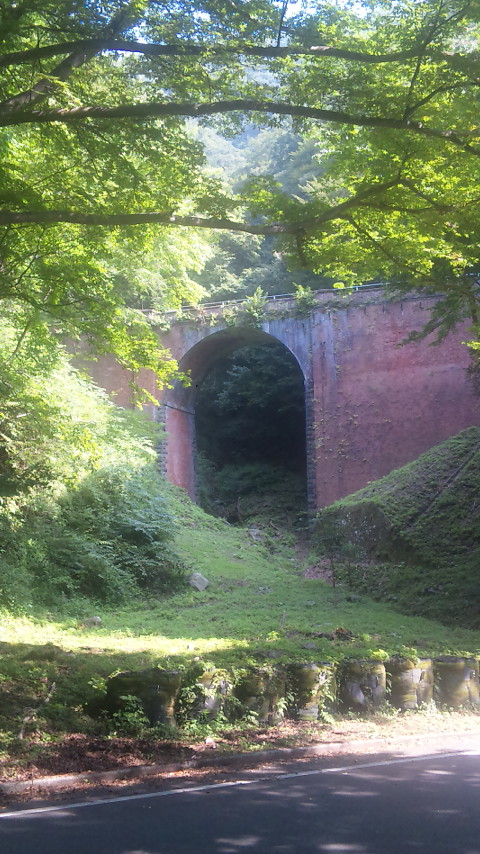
(268, 298)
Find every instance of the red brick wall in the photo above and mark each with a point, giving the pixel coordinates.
(373, 406)
(379, 405)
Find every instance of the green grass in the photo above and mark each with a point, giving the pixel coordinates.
(257, 600)
(258, 608)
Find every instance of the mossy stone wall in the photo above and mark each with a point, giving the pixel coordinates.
(301, 690)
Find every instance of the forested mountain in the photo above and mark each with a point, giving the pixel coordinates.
(239, 264)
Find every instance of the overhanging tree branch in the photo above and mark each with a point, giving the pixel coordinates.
(418, 64)
(319, 51)
(118, 162)
(191, 50)
(441, 207)
(46, 86)
(383, 250)
(49, 217)
(155, 109)
(167, 218)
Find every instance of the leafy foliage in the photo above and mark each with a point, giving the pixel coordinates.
(80, 280)
(255, 493)
(331, 539)
(94, 136)
(240, 264)
(82, 512)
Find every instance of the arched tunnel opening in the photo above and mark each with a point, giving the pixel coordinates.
(251, 436)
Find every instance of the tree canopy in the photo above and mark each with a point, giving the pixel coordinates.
(100, 169)
(241, 263)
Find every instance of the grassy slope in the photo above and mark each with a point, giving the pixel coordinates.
(422, 524)
(258, 607)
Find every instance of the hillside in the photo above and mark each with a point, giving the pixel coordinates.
(262, 608)
(417, 533)
(95, 557)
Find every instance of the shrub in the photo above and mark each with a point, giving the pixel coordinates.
(82, 509)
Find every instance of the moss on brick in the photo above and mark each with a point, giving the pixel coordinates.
(419, 531)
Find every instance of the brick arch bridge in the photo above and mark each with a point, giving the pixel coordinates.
(371, 405)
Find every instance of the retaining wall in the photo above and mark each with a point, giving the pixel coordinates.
(304, 691)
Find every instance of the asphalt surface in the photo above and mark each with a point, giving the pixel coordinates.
(422, 805)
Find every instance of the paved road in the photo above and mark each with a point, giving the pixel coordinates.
(421, 805)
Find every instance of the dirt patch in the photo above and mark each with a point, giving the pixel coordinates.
(79, 753)
(322, 569)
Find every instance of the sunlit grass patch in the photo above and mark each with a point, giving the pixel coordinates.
(259, 608)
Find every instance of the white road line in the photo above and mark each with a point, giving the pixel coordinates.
(209, 787)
